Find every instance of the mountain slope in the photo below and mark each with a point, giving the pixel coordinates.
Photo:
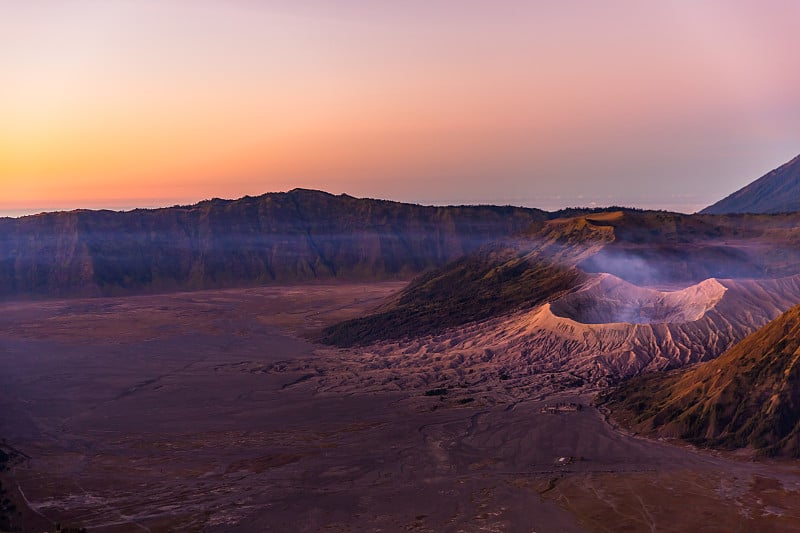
(776, 192)
(748, 397)
(490, 283)
(493, 281)
(648, 248)
(642, 330)
(301, 235)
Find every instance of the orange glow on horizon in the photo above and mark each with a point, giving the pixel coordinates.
(106, 105)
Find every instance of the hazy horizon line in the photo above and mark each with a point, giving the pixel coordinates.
(689, 205)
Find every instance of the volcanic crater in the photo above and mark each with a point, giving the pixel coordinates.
(608, 299)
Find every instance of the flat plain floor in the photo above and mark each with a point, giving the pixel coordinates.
(212, 411)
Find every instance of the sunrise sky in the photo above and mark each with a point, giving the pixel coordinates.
(125, 103)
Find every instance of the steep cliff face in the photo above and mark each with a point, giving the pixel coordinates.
(285, 237)
(43, 254)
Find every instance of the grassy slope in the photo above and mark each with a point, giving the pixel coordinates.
(490, 283)
(496, 280)
(748, 397)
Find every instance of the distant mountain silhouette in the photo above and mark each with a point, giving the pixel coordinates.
(748, 397)
(301, 235)
(776, 192)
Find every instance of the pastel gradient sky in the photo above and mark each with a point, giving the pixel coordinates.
(125, 103)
